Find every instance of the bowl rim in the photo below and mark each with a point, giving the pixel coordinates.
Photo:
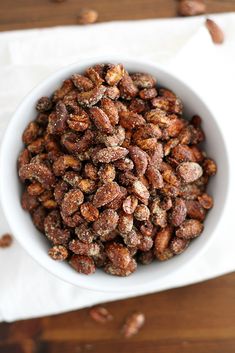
(140, 287)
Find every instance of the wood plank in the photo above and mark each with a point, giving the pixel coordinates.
(196, 319)
(18, 14)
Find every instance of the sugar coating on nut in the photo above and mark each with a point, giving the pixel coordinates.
(113, 172)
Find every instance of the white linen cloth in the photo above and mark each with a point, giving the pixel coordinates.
(182, 45)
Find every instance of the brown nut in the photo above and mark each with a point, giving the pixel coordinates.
(215, 31)
(58, 252)
(189, 229)
(189, 171)
(39, 172)
(82, 264)
(191, 7)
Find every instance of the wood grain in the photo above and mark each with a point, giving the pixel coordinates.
(18, 14)
(193, 319)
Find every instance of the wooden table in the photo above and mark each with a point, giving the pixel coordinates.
(193, 319)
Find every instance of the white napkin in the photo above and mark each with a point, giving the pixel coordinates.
(184, 45)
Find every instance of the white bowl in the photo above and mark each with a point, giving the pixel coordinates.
(146, 277)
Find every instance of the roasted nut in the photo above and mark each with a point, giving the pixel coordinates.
(130, 120)
(83, 83)
(195, 210)
(106, 223)
(114, 74)
(38, 217)
(110, 109)
(80, 248)
(106, 193)
(101, 120)
(140, 159)
(90, 98)
(189, 229)
(58, 252)
(5, 240)
(109, 154)
(143, 80)
(82, 264)
(148, 93)
(30, 133)
(191, 7)
(107, 173)
(154, 177)
(64, 162)
(140, 191)
(111, 269)
(89, 212)
(179, 212)
(78, 120)
(125, 223)
(84, 233)
(189, 171)
(162, 240)
(71, 201)
(142, 213)
(117, 202)
(133, 324)
(127, 88)
(118, 255)
(87, 16)
(209, 167)
(129, 204)
(24, 158)
(66, 87)
(54, 233)
(100, 314)
(215, 31)
(206, 201)
(44, 104)
(178, 245)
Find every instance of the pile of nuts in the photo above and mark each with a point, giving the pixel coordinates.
(112, 171)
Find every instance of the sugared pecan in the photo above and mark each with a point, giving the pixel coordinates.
(110, 154)
(83, 83)
(143, 80)
(125, 223)
(90, 98)
(127, 88)
(58, 252)
(217, 35)
(111, 269)
(114, 74)
(106, 223)
(39, 172)
(100, 314)
(82, 264)
(140, 191)
(179, 212)
(189, 229)
(6, 240)
(189, 171)
(30, 133)
(89, 212)
(140, 159)
(53, 231)
(191, 7)
(110, 109)
(101, 120)
(133, 324)
(178, 245)
(106, 194)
